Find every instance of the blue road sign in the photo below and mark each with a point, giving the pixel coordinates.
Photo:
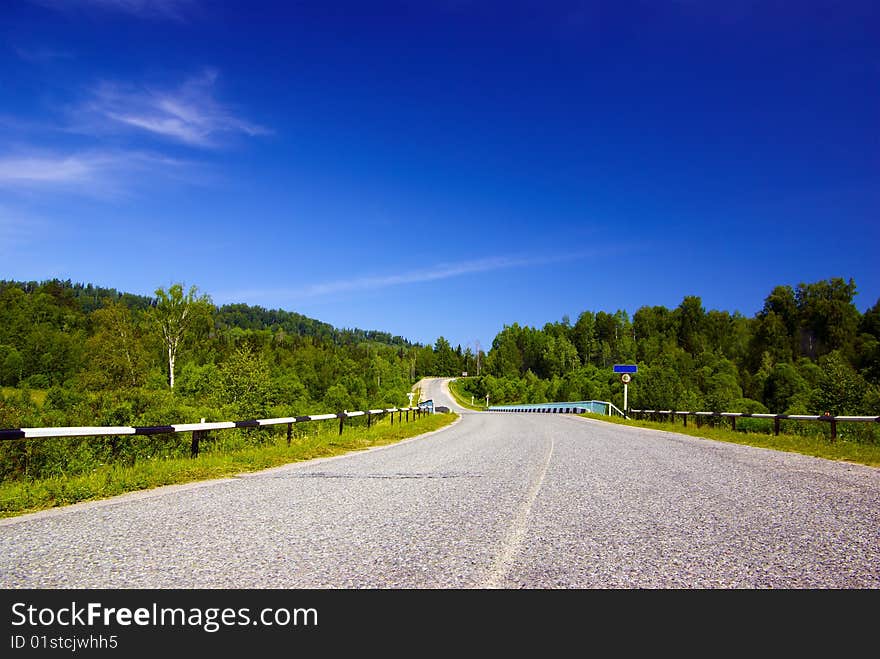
(626, 368)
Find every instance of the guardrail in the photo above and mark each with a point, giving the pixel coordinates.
(570, 407)
(733, 416)
(198, 430)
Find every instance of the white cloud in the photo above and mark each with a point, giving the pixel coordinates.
(189, 114)
(37, 170)
(441, 271)
(91, 173)
(431, 273)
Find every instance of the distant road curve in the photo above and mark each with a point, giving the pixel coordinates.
(493, 501)
(437, 389)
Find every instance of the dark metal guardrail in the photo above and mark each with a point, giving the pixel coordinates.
(655, 415)
(198, 430)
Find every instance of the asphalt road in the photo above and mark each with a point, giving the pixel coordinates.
(494, 501)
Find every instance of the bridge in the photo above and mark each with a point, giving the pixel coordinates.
(570, 407)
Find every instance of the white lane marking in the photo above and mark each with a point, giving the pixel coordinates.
(511, 544)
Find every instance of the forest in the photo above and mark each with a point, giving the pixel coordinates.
(75, 354)
(807, 351)
(79, 355)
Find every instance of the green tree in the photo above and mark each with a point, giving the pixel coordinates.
(657, 386)
(722, 391)
(117, 349)
(869, 344)
(11, 365)
(505, 359)
(656, 332)
(559, 356)
(199, 382)
(829, 319)
(840, 389)
(608, 331)
(245, 384)
(783, 384)
(424, 361)
(337, 399)
(772, 338)
(446, 362)
(691, 322)
(584, 336)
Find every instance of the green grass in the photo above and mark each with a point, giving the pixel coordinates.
(462, 398)
(19, 497)
(37, 395)
(815, 445)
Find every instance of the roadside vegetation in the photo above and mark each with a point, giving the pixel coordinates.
(225, 453)
(853, 443)
(813, 438)
(80, 355)
(458, 389)
(809, 350)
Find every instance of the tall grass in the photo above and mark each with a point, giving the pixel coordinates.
(38, 396)
(456, 388)
(845, 448)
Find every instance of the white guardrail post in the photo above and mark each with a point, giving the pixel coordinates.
(200, 430)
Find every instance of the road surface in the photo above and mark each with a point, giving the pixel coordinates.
(497, 500)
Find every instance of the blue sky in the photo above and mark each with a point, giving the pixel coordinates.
(442, 168)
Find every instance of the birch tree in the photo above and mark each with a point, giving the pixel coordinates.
(177, 313)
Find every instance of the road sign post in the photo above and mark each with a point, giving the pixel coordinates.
(626, 372)
(625, 378)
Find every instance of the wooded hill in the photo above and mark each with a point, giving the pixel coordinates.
(99, 357)
(80, 355)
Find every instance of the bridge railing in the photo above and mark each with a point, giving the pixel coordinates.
(570, 407)
(670, 415)
(199, 430)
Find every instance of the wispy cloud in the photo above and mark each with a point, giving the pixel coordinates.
(91, 173)
(189, 113)
(177, 10)
(36, 170)
(432, 273)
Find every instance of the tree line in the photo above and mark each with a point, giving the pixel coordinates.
(80, 355)
(809, 350)
(74, 354)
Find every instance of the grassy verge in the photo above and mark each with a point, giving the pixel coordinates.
(37, 395)
(463, 399)
(18, 497)
(815, 445)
